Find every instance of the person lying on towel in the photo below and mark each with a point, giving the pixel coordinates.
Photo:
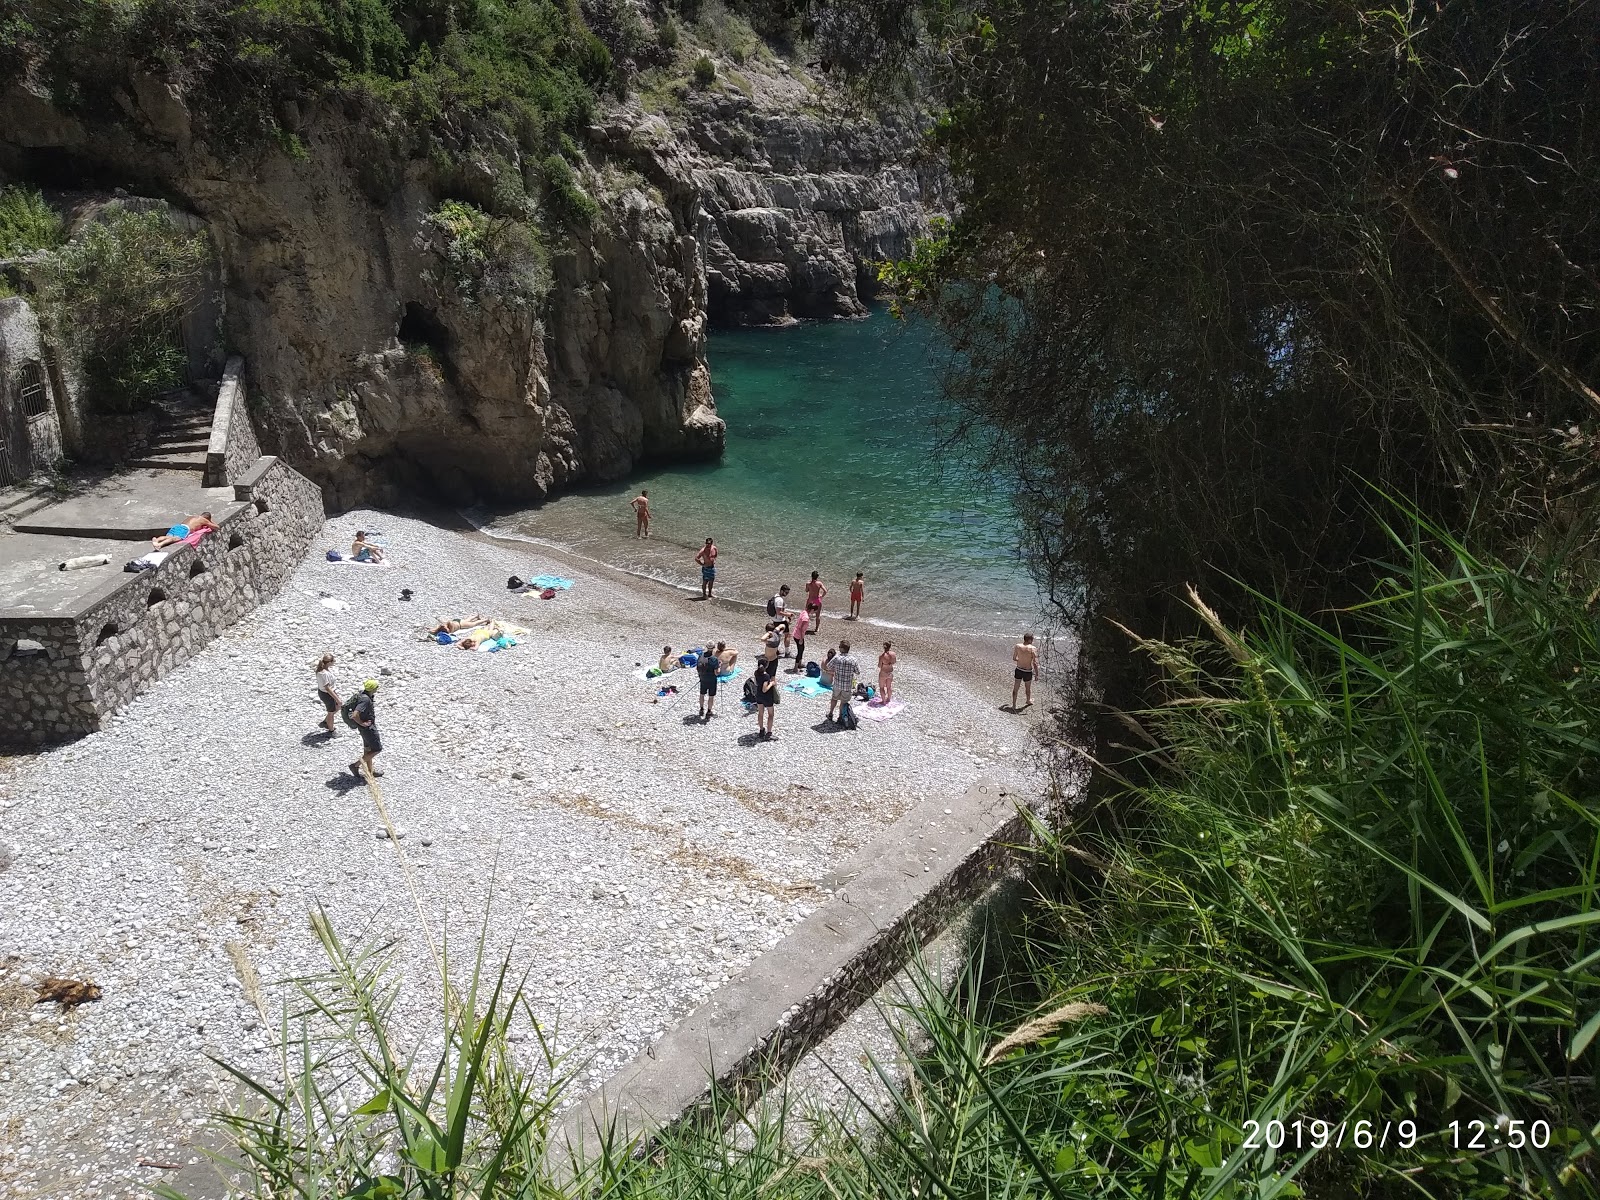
(200, 522)
(453, 624)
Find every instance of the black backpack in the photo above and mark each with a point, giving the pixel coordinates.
(772, 605)
(514, 583)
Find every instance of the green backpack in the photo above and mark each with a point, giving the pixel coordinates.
(348, 708)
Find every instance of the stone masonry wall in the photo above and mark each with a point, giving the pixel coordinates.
(144, 625)
(233, 449)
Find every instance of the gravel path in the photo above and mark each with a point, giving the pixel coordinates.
(634, 858)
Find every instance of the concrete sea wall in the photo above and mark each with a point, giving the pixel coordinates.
(61, 676)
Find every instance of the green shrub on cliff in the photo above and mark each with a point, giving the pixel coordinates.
(564, 195)
(116, 294)
(27, 223)
(451, 70)
(489, 256)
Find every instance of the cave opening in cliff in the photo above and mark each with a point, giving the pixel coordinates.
(419, 327)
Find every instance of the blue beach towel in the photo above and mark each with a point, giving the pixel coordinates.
(806, 685)
(550, 581)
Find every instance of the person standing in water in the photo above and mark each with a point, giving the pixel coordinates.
(858, 593)
(641, 513)
(815, 591)
(1026, 657)
(326, 692)
(707, 558)
(886, 662)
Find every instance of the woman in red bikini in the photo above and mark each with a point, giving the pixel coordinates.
(858, 592)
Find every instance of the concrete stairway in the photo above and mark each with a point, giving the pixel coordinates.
(182, 435)
(23, 500)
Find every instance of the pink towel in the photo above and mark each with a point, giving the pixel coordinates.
(873, 710)
(195, 538)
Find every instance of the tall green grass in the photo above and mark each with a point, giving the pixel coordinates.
(1344, 895)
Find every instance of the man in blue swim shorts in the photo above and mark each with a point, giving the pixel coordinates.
(183, 529)
(707, 558)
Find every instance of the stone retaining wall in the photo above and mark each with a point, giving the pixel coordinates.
(901, 892)
(138, 627)
(233, 447)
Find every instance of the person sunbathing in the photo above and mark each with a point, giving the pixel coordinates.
(364, 551)
(452, 624)
(477, 637)
(195, 524)
(728, 656)
(667, 661)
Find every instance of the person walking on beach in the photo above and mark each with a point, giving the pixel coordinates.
(707, 558)
(845, 673)
(886, 662)
(766, 702)
(325, 691)
(778, 606)
(641, 513)
(1026, 657)
(858, 593)
(708, 668)
(366, 719)
(815, 591)
(798, 629)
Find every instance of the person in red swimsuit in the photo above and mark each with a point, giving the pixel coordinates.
(858, 592)
(815, 591)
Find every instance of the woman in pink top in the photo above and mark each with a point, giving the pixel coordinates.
(886, 662)
(801, 623)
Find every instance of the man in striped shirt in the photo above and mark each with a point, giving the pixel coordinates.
(845, 673)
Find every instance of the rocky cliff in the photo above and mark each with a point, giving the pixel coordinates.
(381, 378)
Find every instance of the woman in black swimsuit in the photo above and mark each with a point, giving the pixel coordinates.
(766, 702)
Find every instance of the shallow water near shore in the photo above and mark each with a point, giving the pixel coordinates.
(835, 462)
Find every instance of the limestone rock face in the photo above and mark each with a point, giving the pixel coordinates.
(380, 379)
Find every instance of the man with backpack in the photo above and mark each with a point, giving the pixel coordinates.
(708, 667)
(358, 713)
(845, 673)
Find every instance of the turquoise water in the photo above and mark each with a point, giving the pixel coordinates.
(835, 462)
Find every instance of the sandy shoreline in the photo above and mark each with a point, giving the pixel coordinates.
(634, 857)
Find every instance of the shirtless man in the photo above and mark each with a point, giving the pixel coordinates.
(1026, 657)
(707, 558)
(364, 551)
(641, 513)
(183, 529)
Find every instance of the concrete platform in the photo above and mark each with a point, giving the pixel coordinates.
(116, 516)
(130, 507)
(30, 584)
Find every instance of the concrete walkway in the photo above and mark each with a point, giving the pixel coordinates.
(116, 516)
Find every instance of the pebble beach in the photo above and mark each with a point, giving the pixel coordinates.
(629, 857)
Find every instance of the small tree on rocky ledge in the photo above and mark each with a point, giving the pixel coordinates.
(116, 293)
